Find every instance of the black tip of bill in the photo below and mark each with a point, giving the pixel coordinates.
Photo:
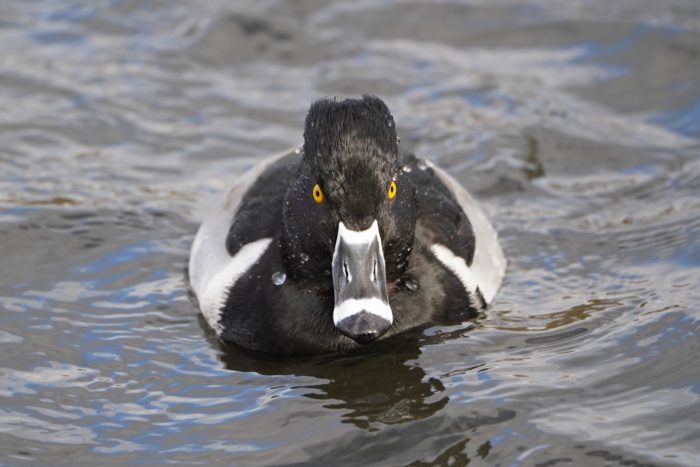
(364, 327)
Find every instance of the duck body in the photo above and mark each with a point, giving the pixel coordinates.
(309, 253)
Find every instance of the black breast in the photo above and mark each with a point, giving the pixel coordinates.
(259, 214)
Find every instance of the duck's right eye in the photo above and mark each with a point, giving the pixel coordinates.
(318, 194)
(391, 194)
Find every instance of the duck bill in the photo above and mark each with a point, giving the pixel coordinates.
(362, 310)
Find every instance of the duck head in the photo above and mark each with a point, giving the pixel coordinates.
(350, 215)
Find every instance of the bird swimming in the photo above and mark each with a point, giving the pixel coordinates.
(342, 242)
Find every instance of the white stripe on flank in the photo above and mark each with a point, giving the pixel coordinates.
(352, 306)
(208, 255)
(210, 265)
(489, 263)
(358, 237)
(458, 267)
(212, 299)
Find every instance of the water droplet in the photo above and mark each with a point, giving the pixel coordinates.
(327, 272)
(318, 154)
(278, 278)
(398, 140)
(390, 123)
(313, 124)
(411, 284)
(304, 257)
(406, 168)
(422, 164)
(297, 151)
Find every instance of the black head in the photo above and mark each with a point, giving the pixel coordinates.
(349, 173)
(350, 147)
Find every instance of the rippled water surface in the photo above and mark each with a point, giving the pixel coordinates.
(576, 123)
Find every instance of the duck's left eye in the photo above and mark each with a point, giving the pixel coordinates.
(392, 190)
(317, 194)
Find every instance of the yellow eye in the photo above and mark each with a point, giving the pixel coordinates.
(318, 194)
(392, 190)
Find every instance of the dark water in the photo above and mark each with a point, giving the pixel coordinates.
(576, 123)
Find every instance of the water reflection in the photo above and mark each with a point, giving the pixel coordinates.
(439, 440)
(399, 409)
(382, 384)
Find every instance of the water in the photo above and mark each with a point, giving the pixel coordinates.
(576, 123)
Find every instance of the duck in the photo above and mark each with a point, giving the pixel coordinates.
(342, 242)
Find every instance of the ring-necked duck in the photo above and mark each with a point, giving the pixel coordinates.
(342, 242)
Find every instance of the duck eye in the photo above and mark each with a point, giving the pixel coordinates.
(392, 190)
(318, 194)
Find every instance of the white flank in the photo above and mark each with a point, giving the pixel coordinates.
(208, 254)
(352, 306)
(489, 264)
(210, 263)
(458, 267)
(212, 299)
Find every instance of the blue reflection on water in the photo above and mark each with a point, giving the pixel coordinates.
(685, 121)
(57, 37)
(124, 255)
(502, 436)
(483, 375)
(72, 13)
